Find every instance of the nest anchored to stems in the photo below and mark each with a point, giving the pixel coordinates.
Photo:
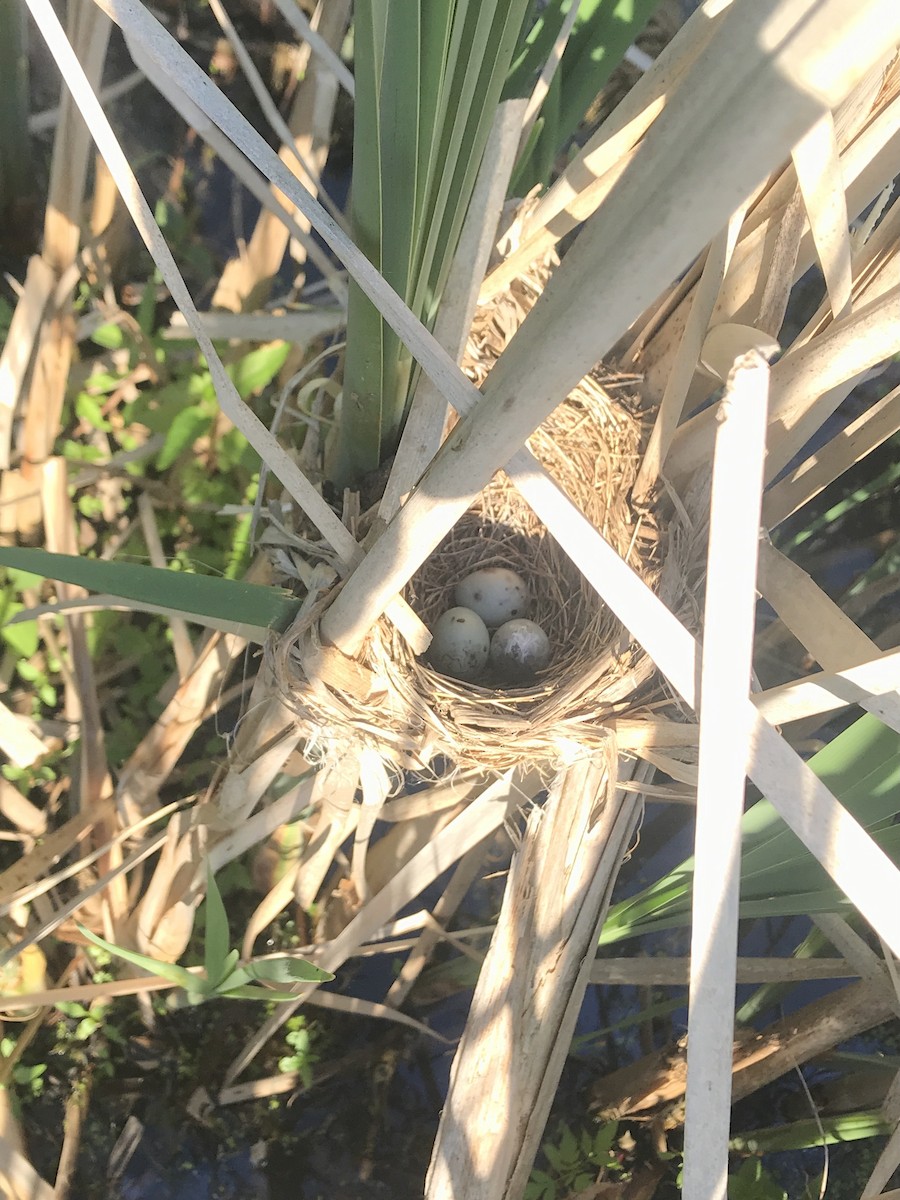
(408, 712)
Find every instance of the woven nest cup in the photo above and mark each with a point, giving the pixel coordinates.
(411, 715)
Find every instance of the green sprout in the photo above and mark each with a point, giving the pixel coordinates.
(222, 976)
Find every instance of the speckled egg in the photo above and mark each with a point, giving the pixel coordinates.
(519, 649)
(460, 644)
(497, 594)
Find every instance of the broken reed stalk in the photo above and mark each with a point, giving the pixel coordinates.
(656, 1084)
(532, 983)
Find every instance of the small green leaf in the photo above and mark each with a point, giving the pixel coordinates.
(85, 1028)
(287, 970)
(253, 991)
(89, 409)
(102, 381)
(109, 336)
(568, 1145)
(23, 638)
(258, 368)
(554, 1158)
(215, 949)
(171, 971)
(187, 426)
(298, 1039)
(603, 1140)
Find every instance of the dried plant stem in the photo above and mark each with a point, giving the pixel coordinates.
(73, 1124)
(687, 357)
(825, 692)
(823, 628)
(724, 756)
(675, 972)
(531, 986)
(758, 1059)
(870, 430)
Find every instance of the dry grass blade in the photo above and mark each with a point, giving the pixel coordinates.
(90, 31)
(548, 71)
(308, 32)
(870, 430)
(19, 1175)
(25, 817)
(724, 755)
(32, 875)
(283, 811)
(673, 972)
(273, 903)
(687, 357)
(855, 949)
(297, 327)
(265, 738)
(376, 786)
(18, 347)
(62, 914)
(827, 632)
(443, 910)
(89, 993)
(337, 1002)
(154, 758)
(269, 108)
(246, 280)
(824, 692)
(817, 162)
(272, 204)
(888, 1162)
(40, 860)
(333, 790)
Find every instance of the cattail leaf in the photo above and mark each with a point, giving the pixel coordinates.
(192, 595)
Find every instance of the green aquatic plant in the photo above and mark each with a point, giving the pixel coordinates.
(223, 976)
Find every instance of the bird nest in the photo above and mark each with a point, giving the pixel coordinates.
(413, 716)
